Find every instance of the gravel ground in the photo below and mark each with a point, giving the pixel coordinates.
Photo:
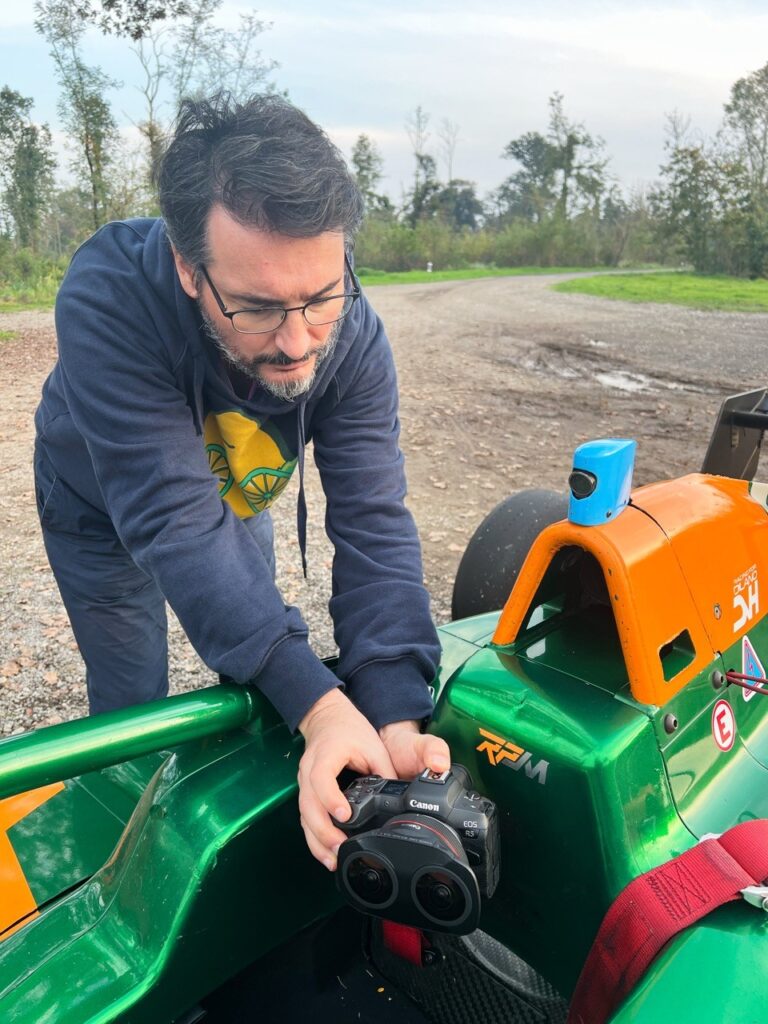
(500, 379)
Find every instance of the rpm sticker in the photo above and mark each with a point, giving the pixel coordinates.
(750, 666)
(723, 725)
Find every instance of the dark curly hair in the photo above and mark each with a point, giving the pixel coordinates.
(264, 161)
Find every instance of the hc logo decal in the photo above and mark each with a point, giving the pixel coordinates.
(746, 598)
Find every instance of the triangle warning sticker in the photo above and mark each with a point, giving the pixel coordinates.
(750, 666)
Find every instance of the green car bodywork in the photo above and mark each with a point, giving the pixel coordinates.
(175, 861)
(173, 858)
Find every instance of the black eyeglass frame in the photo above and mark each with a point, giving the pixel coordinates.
(285, 310)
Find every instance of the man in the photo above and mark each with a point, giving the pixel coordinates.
(197, 356)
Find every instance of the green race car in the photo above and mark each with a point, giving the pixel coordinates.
(612, 711)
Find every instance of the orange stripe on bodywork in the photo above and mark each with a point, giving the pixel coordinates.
(17, 904)
(669, 564)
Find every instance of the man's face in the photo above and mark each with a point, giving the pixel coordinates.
(251, 268)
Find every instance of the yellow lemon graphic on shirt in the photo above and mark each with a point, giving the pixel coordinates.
(248, 462)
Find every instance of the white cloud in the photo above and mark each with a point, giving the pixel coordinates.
(361, 66)
(691, 41)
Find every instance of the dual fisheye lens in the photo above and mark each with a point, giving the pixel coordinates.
(371, 879)
(440, 896)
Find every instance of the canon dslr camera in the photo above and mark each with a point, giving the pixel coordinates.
(421, 852)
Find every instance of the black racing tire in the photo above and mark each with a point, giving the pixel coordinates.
(498, 547)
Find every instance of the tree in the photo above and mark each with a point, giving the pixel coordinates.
(425, 184)
(579, 162)
(31, 183)
(149, 52)
(636, 236)
(686, 202)
(416, 128)
(746, 125)
(448, 133)
(560, 174)
(683, 202)
(181, 51)
(704, 202)
(367, 163)
(14, 113)
(68, 223)
(746, 118)
(206, 59)
(27, 166)
(131, 194)
(131, 18)
(83, 106)
(191, 56)
(419, 204)
(457, 205)
(529, 193)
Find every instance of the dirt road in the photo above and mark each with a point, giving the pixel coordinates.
(500, 379)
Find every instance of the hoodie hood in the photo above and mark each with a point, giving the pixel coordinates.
(211, 382)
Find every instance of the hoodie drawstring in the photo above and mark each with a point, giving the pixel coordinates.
(197, 395)
(301, 503)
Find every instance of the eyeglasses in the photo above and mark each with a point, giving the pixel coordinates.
(265, 319)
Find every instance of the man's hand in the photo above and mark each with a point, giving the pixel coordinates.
(337, 736)
(412, 751)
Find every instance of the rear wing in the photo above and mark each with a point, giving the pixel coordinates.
(734, 448)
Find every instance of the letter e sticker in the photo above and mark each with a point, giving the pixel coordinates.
(750, 666)
(723, 725)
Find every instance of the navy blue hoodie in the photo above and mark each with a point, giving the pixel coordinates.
(139, 417)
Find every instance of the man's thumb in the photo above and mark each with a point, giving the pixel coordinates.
(435, 754)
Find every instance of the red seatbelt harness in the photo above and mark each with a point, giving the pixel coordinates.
(657, 905)
(404, 941)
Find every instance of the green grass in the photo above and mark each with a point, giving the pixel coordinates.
(371, 277)
(695, 290)
(7, 335)
(37, 294)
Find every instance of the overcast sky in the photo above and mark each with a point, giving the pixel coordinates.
(489, 66)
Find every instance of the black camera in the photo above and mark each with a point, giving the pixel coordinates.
(420, 852)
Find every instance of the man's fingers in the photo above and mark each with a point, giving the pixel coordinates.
(316, 822)
(412, 751)
(336, 736)
(325, 855)
(435, 753)
(322, 781)
(377, 762)
(322, 777)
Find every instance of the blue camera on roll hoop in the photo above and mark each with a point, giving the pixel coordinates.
(601, 480)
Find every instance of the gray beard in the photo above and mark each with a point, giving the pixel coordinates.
(287, 390)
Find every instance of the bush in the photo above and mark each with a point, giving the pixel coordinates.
(386, 244)
(27, 278)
